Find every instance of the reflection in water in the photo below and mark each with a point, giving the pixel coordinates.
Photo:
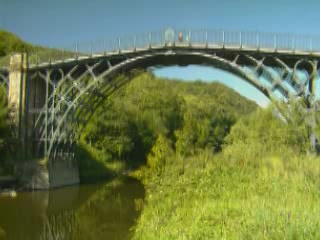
(97, 211)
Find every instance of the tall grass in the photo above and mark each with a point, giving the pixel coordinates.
(263, 185)
(216, 199)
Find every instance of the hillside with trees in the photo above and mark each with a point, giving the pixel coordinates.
(192, 115)
(10, 43)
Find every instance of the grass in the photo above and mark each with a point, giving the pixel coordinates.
(212, 198)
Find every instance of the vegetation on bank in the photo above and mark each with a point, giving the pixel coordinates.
(262, 185)
(214, 165)
(193, 115)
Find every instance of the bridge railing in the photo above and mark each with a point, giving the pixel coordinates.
(255, 41)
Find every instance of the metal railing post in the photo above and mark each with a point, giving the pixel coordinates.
(310, 44)
(258, 41)
(119, 45)
(240, 38)
(162, 39)
(223, 40)
(293, 44)
(76, 57)
(135, 43)
(104, 48)
(91, 48)
(50, 56)
(149, 40)
(275, 42)
(190, 38)
(62, 55)
(206, 39)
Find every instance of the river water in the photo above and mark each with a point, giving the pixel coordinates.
(94, 211)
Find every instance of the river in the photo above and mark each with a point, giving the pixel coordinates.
(92, 211)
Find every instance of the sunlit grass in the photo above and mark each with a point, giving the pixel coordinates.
(216, 199)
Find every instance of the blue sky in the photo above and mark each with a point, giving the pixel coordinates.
(58, 23)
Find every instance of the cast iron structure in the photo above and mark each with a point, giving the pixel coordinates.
(60, 90)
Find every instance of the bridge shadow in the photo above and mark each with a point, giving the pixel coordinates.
(91, 169)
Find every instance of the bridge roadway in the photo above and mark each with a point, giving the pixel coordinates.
(267, 43)
(289, 56)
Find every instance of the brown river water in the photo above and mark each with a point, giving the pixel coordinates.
(93, 211)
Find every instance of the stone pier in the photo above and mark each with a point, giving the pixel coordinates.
(17, 92)
(46, 175)
(26, 98)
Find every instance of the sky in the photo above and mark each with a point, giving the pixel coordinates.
(61, 23)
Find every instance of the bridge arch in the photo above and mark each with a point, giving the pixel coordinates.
(83, 86)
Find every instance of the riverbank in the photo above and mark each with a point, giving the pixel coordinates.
(212, 197)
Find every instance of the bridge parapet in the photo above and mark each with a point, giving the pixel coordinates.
(214, 39)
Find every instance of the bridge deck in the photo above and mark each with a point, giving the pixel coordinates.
(215, 40)
(206, 49)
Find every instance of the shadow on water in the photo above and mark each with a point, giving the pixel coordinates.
(92, 211)
(90, 168)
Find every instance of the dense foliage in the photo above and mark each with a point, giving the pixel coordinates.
(192, 115)
(262, 185)
(11, 43)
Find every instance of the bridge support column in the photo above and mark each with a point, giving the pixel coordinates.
(17, 97)
(46, 174)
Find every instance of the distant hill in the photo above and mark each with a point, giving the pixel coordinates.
(9, 43)
(218, 95)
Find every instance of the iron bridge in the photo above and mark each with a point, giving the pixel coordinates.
(55, 92)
